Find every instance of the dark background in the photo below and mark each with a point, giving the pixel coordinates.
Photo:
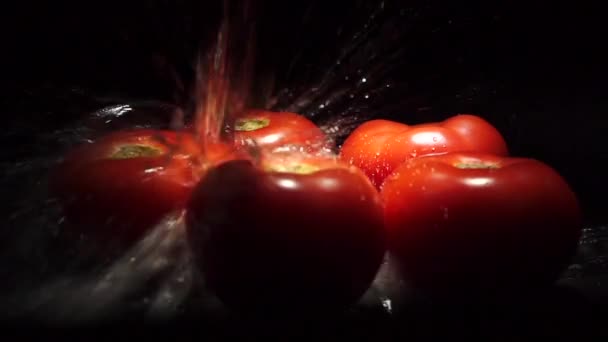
(533, 69)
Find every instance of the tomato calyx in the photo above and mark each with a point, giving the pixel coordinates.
(301, 168)
(247, 125)
(476, 165)
(135, 151)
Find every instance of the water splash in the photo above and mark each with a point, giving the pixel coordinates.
(224, 75)
(152, 278)
(351, 88)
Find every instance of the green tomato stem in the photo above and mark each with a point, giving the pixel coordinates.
(135, 151)
(247, 125)
(294, 168)
(476, 165)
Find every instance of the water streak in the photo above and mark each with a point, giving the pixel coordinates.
(224, 74)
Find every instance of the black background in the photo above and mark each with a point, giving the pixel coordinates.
(534, 69)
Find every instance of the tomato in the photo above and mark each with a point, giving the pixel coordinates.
(280, 131)
(125, 182)
(379, 146)
(475, 221)
(290, 235)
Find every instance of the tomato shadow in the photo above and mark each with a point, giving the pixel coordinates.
(557, 311)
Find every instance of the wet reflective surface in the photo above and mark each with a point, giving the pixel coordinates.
(340, 65)
(58, 277)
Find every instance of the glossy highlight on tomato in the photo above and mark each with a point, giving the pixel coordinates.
(479, 222)
(286, 236)
(380, 146)
(122, 184)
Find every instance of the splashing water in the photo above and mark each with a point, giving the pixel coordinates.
(156, 277)
(159, 261)
(222, 86)
(351, 89)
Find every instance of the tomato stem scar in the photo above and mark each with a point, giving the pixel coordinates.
(251, 124)
(476, 165)
(293, 168)
(135, 151)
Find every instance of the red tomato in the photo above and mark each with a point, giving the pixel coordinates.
(479, 221)
(280, 131)
(379, 146)
(127, 181)
(291, 235)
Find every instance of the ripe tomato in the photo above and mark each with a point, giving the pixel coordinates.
(481, 222)
(291, 235)
(127, 181)
(379, 146)
(280, 131)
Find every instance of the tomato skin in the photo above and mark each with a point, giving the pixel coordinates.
(480, 230)
(283, 130)
(477, 134)
(380, 146)
(282, 242)
(120, 199)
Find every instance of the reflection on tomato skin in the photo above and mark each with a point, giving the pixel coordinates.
(480, 222)
(287, 235)
(124, 183)
(379, 146)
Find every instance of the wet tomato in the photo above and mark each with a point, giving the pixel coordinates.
(280, 131)
(473, 221)
(125, 182)
(379, 146)
(287, 236)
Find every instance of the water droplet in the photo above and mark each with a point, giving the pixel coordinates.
(386, 303)
(432, 149)
(366, 96)
(363, 80)
(132, 259)
(435, 139)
